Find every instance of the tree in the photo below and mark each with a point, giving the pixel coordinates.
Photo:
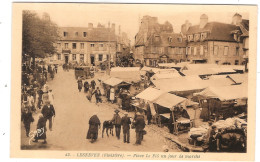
(39, 35)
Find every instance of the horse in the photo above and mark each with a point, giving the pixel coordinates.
(108, 125)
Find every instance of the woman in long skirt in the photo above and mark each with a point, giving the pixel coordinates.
(94, 125)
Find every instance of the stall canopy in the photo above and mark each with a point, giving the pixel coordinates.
(150, 94)
(166, 74)
(173, 65)
(127, 74)
(180, 84)
(169, 100)
(225, 92)
(113, 81)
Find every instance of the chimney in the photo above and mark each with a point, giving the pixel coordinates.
(203, 20)
(90, 25)
(237, 19)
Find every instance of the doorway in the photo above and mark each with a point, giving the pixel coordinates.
(92, 60)
(66, 59)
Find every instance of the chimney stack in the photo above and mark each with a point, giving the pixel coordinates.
(185, 27)
(237, 19)
(203, 20)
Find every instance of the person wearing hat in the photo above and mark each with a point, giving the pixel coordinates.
(41, 130)
(126, 127)
(27, 119)
(80, 84)
(97, 93)
(51, 97)
(48, 112)
(116, 120)
(139, 128)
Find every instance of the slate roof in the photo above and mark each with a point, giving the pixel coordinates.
(217, 31)
(164, 40)
(93, 34)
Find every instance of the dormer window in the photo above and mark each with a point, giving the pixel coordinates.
(84, 34)
(196, 37)
(203, 36)
(190, 38)
(179, 39)
(170, 39)
(65, 34)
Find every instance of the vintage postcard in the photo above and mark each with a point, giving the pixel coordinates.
(133, 81)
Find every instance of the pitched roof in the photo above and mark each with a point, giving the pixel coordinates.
(217, 31)
(113, 81)
(150, 94)
(93, 34)
(169, 100)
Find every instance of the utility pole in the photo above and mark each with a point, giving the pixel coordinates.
(109, 54)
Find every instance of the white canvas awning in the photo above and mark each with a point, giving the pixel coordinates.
(169, 100)
(113, 81)
(225, 92)
(150, 94)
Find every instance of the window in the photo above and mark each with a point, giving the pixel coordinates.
(74, 45)
(179, 39)
(215, 52)
(181, 51)
(157, 38)
(190, 38)
(196, 37)
(107, 57)
(84, 34)
(92, 45)
(201, 50)
(81, 57)
(58, 45)
(74, 57)
(81, 45)
(66, 45)
(195, 50)
(101, 46)
(216, 62)
(203, 36)
(170, 39)
(237, 51)
(225, 51)
(76, 33)
(189, 50)
(236, 62)
(100, 57)
(59, 56)
(65, 34)
(192, 50)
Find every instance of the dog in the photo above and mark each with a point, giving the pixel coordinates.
(108, 125)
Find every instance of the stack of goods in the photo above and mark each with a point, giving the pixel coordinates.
(230, 123)
(198, 134)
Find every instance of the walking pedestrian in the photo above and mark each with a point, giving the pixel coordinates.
(139, 128)
(148, 113)
(94, 125)
(93, 84)
(112, 94)
(31, 103)
(86, 86)
(80, 84)
(51, 97)
(40, 93)
(116, 120)
(97, 93)
(27, 119)
(126, 127)
(41, 130)
(48, 112)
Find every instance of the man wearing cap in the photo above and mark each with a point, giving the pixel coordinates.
(126, 127)
(48, 112)
(139, 127)
(116, 120)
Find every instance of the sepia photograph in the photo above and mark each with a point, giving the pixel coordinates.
(122, 80)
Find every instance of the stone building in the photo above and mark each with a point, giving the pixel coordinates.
(215, 42)
(156, 43)
(89, 45)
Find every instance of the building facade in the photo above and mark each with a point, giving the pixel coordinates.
(215, 42)
(157, 43)
(86, 45)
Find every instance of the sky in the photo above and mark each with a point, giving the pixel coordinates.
(128, 16)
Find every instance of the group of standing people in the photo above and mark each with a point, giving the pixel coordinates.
(119, 122)
(36, 95)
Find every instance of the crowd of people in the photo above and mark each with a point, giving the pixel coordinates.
(36, 96)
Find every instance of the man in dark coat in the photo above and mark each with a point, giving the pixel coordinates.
(94, 125)
(86, 86)
(116, 120)
(148, 113)
(139, 128)
(48, 112)
(80, 84)
(27, 119)
(93, 84)
(126, 127)
(41, 130)
(97, 93)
